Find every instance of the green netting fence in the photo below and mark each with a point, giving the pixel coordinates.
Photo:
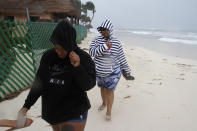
(21, 47)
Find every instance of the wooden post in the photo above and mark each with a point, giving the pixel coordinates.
(71, 20)
(27, 13)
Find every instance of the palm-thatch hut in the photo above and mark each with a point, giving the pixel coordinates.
(39, 10)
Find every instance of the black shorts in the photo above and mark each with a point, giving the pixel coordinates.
(80, 118)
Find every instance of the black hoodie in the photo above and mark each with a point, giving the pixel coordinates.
(62, 86)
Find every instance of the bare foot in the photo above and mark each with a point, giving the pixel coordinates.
(108, 115)
(108, 118)
(102, 107)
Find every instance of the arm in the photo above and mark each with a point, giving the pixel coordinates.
(36, 89)
(84, 73)
(32, 97)
(34, 94)
(97, 49)
(123, 63)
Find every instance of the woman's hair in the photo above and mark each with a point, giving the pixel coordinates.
(64, 35)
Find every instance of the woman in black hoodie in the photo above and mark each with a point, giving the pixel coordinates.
(65, 74)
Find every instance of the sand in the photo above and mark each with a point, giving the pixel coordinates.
(161, 98)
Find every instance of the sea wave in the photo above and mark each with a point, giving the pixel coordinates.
(169, 36)
(184, 41)
(142, 32)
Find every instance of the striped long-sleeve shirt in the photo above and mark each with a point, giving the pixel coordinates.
(107, 61)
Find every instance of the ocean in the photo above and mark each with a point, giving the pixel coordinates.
(183, 37)
(175, 43)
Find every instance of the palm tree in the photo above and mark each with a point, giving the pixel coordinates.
(85, 13)
(90, 6)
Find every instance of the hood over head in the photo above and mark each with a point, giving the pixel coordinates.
(107, 25)
(64, 35)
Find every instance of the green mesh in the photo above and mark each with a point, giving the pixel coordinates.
(21, 47)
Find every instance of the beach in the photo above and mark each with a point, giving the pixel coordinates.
(161, 98)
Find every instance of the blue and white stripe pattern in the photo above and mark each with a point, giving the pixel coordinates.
(107, 61)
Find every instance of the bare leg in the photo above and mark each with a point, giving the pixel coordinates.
(104, 99)
(110, 100)
(72, 126)
(55, 127)
(103, 95)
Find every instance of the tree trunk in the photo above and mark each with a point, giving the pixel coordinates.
(92, 17)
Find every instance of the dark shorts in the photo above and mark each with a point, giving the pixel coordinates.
(80, 118)
(110, 82)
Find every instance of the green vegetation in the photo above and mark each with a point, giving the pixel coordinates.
(85, 19)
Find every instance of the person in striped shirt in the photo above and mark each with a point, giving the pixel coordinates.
(110, 61)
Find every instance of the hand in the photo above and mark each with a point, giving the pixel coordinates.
(127, 76)
(21, 117)
(23, 111)
(74, 59)
(109, 45)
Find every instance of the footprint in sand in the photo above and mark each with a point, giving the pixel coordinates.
(157, 79)
(183, 65)
(166, 117)
(149, 83)
(180, 78)
(128, 86)
(147, 92)
(126, 97)
(182, 74)
(164, 59)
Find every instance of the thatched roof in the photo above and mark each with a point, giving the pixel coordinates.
(38, 7)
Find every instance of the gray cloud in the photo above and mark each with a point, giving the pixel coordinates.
(163, 14)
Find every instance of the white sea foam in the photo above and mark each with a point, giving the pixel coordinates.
(173, 40)
(169, 36)
(142, 32)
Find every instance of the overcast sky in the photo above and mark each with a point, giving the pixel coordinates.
(162, 14)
